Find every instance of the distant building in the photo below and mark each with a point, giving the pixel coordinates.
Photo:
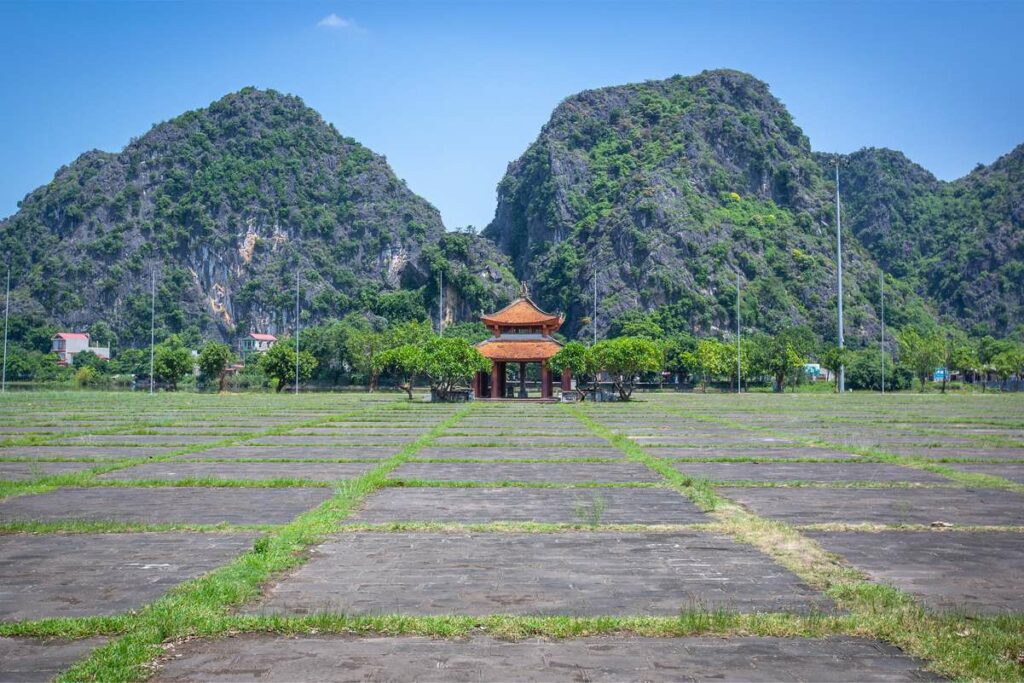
(68, 344)
(256, 343)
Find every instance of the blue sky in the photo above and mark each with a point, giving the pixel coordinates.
(450, 92)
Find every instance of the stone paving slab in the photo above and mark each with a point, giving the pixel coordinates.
(570, 506)
(27, 660)
(20, 471)
(343, 431)
(345, 441)
(794, 452)
(560, 472)
(1011, 471)
(975, 572)
(170, 440)
(582, 573)
(294, 453)
(619, 658)
(993, 453)
(181, 505)
(257, 471)
(77, 575)
(72, 452)
(522, 453)
(883, 505)
(521, 441)
(807, 471)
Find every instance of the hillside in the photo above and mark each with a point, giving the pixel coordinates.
(959, 243)
(667, 190)
(225, 203)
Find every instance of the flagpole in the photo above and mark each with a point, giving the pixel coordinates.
(152, 326)
(7, 314)
(839, 279)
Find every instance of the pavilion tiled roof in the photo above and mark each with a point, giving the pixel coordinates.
(262, 337)
(519, 350)
(71, 335)
(522, 311)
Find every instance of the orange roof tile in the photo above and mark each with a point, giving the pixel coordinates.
(519, 350)
(522, 311)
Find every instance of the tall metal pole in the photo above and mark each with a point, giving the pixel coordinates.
(595, 304)
(881, 302)
(839, 278)
(7, 314)
(739, 381)
(152, 325)
(296, 330)
(440, 303)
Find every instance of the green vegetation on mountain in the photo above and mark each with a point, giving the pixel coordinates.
(225, 204)
(961, 243)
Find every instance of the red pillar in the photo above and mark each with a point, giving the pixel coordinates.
(566, 379)
(545, 380)
(496, 379)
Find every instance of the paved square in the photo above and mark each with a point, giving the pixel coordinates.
(806, 471)
(581, 574)
(73, 452)
(797, 453)
(1011, 471)
(269, 658)
(77, 575)
(181, 505)
(512, 504)
(256, 471)
(537, 453)
(558, 472)
(883, 505)
(294, 453)
(19, 471)
(973, 572)
(27, 660)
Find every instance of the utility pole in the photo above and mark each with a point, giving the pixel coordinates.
(7, 314)
(881, 303)
(440, 303)
(839, 279)
(595, 304)
(296, 330)
(739, 381)
(152, 325)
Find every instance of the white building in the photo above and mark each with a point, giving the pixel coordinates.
(67, 344)
(255, 342)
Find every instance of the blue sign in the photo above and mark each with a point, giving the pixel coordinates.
(940, 375)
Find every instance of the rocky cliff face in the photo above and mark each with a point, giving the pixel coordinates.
(664, 191)
(961, 243)
(226, 204)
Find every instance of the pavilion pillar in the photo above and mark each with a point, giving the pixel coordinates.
(522, 380)
(566, 379)
(545, 380)
(496, 370)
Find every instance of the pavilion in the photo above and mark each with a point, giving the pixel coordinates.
(520, 333)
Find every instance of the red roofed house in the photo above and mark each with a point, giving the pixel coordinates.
(67, 344)
(255, 342)
(521, 333)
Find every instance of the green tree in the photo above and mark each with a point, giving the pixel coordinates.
(577, 359)
(406, 361)
(636, 323)
(130, 362)
(362, 344)
(88, 359)
(214, 360)
(450, 362)
(624, 358)
(278, 363)
(921, 351)
(171, 362)
(780, 357)
(709, 360)
(833, 358)
(101, 334)
(473, 332)
(678, 350)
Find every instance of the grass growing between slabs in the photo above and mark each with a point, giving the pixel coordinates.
(198, 606)
(957, 645)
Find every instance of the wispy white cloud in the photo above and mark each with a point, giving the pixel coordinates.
(338, 23)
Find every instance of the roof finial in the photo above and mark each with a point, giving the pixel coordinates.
(524, 290)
